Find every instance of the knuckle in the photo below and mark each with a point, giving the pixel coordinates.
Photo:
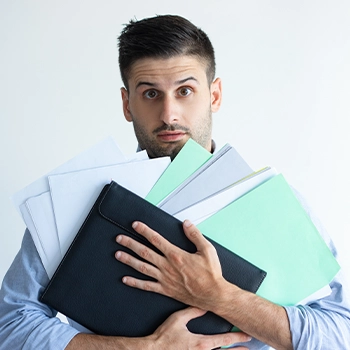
(194, 232)
(132, 283)
(144, 253)
(141, 228)
(126, 258)
(147, 286)
(175, 258)
(226, 339)
(155, 240)
(126, 242)
(202, 345)
(143, 268)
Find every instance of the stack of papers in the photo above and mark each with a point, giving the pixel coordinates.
(55, 206)
(253, 213)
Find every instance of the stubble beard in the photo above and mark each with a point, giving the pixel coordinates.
(201, 134)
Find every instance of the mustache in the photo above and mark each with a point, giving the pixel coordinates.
(172, 127)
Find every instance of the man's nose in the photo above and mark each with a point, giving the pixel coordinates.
(170, 110)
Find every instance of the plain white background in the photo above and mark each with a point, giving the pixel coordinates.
(285, 67)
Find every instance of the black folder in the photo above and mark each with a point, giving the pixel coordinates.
(87, 286)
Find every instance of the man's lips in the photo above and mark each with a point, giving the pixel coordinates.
(169, 136)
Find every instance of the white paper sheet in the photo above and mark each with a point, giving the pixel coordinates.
(73, 194)
(34, 201)
(142, 155)
(202, 210)
(104, 153)
(223, 169)
(46, 238)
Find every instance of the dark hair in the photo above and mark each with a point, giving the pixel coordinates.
(163, 36)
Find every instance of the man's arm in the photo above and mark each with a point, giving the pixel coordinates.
(26, 323)
(171, 335)
(324, 323)
(196, 280)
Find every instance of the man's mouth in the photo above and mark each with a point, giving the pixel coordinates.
(171, 136)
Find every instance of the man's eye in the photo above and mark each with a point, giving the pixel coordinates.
(151, 94)
(184, 91)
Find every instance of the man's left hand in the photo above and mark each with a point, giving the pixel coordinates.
(191, 278)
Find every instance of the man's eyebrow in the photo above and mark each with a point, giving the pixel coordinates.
(178, 82)
(144, 83)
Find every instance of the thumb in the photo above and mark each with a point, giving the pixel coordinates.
(186, 315)
(194, 235)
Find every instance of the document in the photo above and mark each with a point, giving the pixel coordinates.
(188, 160)
(223, 169)
(44, 231)
(35, 206)
(105, 152)
(269, 227)
(142, 155)
(209, 206)
(73, 194)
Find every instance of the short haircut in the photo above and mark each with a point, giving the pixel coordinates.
(163, 36)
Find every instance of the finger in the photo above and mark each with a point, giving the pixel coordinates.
(195, 236)
(149, 286)
(141, 250)
(218, 340)
(136, 264)
(213, 341)
(186, 315)
(154, 237)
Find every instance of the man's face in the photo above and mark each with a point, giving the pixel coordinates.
(169, 101)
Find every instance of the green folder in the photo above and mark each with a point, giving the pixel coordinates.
(191, 157)
(269, 227)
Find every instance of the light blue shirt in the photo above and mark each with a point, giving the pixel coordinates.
(25, 323)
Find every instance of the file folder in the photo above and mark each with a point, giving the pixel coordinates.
(269, 227)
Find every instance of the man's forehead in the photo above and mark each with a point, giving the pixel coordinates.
(172, 70)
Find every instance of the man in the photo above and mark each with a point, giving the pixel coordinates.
(168, 69)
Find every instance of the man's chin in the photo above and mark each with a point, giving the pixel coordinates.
(171, 150)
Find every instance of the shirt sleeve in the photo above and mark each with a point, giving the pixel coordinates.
(323, 324)
(25, 322)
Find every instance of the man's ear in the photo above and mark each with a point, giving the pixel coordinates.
(216, 95)
(126, 105)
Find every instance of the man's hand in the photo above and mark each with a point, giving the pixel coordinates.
(196, 279)
(191, 278)
(173, 334)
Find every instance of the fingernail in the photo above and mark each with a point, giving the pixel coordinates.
(119, 238)
(134, 224)
(117, 255)
(187, 223)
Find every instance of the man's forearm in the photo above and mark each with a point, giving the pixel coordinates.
(170, 335)
(98, 342)
(253, 315)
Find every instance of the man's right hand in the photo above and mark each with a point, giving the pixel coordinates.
(173, 334)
